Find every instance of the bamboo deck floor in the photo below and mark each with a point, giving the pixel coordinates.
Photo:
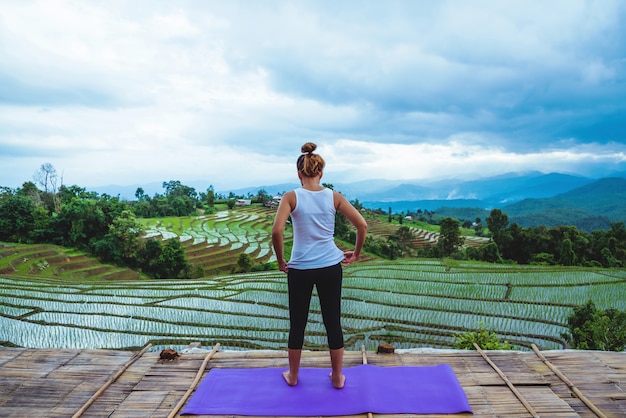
(105, 383)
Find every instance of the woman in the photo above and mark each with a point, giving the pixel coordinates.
(315, 259)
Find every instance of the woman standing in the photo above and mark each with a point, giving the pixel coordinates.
(315, 259)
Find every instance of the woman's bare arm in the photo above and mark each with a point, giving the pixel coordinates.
(287, 204)
(357, 220)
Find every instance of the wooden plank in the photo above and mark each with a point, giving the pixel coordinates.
(113, 378)
(569, 384)
(8, 354)
(512, 387)
(150, 387)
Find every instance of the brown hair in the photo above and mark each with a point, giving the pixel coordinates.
(309, 164)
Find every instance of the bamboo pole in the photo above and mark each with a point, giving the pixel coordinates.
(512, 387)
(111, 380)
(195, 382)
(569, 384)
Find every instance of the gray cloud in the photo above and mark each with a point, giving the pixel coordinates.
(133, 84)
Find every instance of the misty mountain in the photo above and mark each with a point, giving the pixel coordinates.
(593, 206)
(491, 191)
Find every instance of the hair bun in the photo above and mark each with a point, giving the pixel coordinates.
(309, 147)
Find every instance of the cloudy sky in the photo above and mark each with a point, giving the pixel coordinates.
(131, 92)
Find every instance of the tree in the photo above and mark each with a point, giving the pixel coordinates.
(78, 223)
(30, 190)
(524, 246)
(163, 261)
(172, 260)
(179, 200)
(16, 219)
(497, 222)
(450, 239)
(67, 193)
(608, 259)
(176, 188)
(41, 225)
(390, 248)
(181, 206)
(568, 256)
(617, 242)
(149, 256)
(244, 263)
(596, 329)
(262, 196)
(210, 196)
(486, 252)
(140, 194)
(126, 232)
(405, 238)
(5, 193)
(47, 177)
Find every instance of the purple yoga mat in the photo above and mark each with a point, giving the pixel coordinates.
(368, 388)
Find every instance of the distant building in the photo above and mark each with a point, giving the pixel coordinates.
(243, 202)
(273, 203)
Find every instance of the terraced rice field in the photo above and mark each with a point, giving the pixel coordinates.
(214, 242)
(46, 260)
(54, 297)
(418, 303)
(421, 236)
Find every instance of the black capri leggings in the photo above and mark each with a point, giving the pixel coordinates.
(328, 282)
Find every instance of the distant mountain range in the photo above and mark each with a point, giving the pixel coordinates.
(530, 199)
(592, 206)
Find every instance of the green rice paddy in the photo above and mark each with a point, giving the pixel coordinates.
(407, 303)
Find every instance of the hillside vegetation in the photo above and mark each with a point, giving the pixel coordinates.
(212, 244)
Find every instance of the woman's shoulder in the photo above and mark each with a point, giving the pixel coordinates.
(337, 195)
(338, 199)
(288, 199)
(291, 194)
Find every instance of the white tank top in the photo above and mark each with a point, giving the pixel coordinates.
(313, 229)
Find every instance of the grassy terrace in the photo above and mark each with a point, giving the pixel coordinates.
(53, 297)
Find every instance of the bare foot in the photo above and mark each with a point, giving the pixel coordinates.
(338, 383)
(288, 379)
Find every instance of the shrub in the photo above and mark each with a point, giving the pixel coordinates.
(596, 329)
(486, 339)
(244, 263)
